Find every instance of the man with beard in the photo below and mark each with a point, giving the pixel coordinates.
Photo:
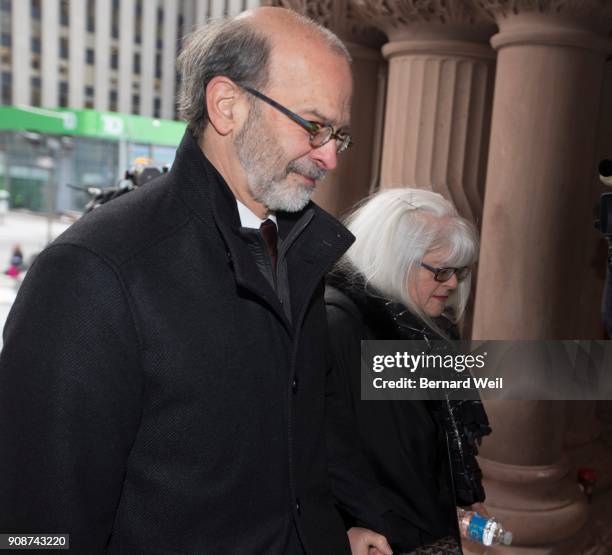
(164, 383)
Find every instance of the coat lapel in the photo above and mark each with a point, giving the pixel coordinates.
(311, 254)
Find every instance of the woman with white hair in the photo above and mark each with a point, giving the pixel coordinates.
(407, 276)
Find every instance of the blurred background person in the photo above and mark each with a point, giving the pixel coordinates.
(407, 276)
(15, 266)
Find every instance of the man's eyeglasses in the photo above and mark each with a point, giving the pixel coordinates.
(444, 274)
(319, 134)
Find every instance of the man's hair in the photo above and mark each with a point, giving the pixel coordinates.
(394, 229)
(233, 48)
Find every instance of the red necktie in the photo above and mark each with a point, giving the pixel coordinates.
(270, 235)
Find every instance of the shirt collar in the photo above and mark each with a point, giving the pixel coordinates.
(249, 219)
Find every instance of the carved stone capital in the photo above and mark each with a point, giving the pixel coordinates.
(340, 16)
(587, 15)
(406, 19)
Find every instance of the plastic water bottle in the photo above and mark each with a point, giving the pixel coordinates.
(482, 529)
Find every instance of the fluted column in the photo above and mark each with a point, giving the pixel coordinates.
(536, 226)
(358, 168)
(542, 156)
(439, 92)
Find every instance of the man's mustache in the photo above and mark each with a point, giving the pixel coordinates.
(307, 170)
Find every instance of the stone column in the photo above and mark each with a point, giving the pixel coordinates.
(168, 72)
(358, 168)
(440, 87)
(21, 35)
(76, 61)
(126, 55)
(536, 225)
(102, 54)
(49, 69)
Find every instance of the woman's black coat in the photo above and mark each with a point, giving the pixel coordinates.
(403, 440)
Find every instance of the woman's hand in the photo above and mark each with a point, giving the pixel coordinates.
(480, 509)
(368, 542)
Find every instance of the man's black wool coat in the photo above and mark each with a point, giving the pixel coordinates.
(154, 398)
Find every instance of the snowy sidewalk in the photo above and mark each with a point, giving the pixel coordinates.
(32, 233)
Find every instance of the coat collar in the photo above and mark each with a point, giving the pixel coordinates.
(388, 319)
(312, 253)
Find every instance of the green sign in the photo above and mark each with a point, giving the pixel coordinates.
(90, 123)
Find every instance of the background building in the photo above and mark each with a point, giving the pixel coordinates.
(96, 80)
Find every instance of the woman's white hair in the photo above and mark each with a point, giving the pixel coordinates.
(395, 229)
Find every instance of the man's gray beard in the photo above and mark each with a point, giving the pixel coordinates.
(260, 154)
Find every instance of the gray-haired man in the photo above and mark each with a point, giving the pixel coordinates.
(164, 385)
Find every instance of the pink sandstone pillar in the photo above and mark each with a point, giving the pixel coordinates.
(439, 92)
(536, 221)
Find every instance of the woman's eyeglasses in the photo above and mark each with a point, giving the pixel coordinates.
(319, 134)
(444, 274)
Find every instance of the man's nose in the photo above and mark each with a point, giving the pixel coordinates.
(326, 155)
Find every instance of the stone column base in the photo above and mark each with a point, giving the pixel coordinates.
(541, 505)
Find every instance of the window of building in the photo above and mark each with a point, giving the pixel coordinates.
(164, 154)
(90, 57)
(91, 16)
(138, 23)
(35, 45)
(6, 94)
(5, 5)
(35, 9)
(137, 63)
(115, 19)
(160, 16)
(5, 39)
(64, 13)
(158, 65)
(135, 103)
(139, 150)
(157, 107)
(159, 44)
(112, 100)
(63, 48)
(35, 90)
(89, 91)
(63, 93)
(114, 61)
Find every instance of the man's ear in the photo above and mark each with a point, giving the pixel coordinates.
(222, 96)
